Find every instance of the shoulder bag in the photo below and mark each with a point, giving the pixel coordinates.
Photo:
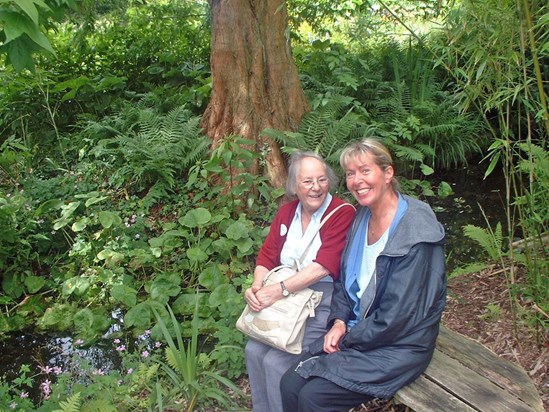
(282, 325)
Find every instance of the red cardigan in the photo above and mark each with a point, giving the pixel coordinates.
(332, 236)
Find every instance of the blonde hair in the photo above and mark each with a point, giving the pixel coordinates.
(372, 146)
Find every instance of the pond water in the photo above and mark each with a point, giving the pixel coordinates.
(471, 192)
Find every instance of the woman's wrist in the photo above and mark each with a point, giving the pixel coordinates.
(340, 322)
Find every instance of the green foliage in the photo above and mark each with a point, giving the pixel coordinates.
(23, 26)
(490, 241)
(147, 150)
(188, 369)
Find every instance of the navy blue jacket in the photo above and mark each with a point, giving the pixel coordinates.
(394, 342)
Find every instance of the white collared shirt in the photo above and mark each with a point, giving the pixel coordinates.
(297, 241)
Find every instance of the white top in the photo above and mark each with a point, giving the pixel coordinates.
(369, 257)
(297, 241)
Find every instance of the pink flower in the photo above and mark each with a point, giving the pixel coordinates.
(145, 354)
(117, 341)
(45, 387)
(24, 395)
(121, 348)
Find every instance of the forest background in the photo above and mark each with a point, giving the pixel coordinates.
(143, 148)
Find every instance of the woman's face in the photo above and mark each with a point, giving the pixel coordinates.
(368, 182)
(312, 184)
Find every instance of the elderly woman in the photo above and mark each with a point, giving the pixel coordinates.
(294, 226)
(387, 304)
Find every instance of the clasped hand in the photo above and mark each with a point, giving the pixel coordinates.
(259, 297)
(333, 337)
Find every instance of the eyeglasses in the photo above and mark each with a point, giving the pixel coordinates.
(309, 183)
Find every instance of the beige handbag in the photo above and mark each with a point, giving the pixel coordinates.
(282, 324)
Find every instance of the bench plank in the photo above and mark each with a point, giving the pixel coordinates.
(465, 376)
(478, 358)
(425, 395)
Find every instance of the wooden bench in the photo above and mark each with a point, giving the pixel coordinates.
(466, 376)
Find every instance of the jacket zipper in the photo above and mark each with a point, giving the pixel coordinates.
(300, 364)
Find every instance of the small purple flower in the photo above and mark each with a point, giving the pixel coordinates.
(121, 348)
(57, 370)
(47, 370)
(13, 405)
(145, 354)
(117, 341)
(98, 372)
(157, 344)
(130, 370)
(45, 387)
(148, 332)
(24, 395)
(79, 342)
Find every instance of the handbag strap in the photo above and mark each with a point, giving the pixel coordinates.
(329, 215)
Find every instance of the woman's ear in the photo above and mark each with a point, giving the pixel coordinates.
(389, 173)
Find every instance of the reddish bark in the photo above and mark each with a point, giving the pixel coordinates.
(255, 79)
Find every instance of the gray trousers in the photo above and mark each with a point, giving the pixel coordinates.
(266, 365)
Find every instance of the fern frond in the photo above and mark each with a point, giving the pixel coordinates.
(491, 244)
(72, 404)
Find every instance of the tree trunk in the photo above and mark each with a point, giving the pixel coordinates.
(255, 80)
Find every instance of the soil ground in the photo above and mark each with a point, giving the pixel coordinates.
(478, 306)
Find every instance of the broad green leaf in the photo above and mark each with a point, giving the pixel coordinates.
(28, 6)
(124, 294)
(212, 277)
(83, 319)
(80, 224)
(245, 245)
(108, 219)
(60, 316)
(426, 170)
(34, 283)
(138, 316)
(19, 54)
(195, 254)
(76, 285)
(237, 230)
(94, 200)
(196, 218)
(47, 206)
(444, 190)
(164, 286)
(111, 256)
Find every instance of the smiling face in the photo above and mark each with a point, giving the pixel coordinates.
(367, 181)
(312, 184)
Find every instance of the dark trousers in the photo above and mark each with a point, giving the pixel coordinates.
(316, 394)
